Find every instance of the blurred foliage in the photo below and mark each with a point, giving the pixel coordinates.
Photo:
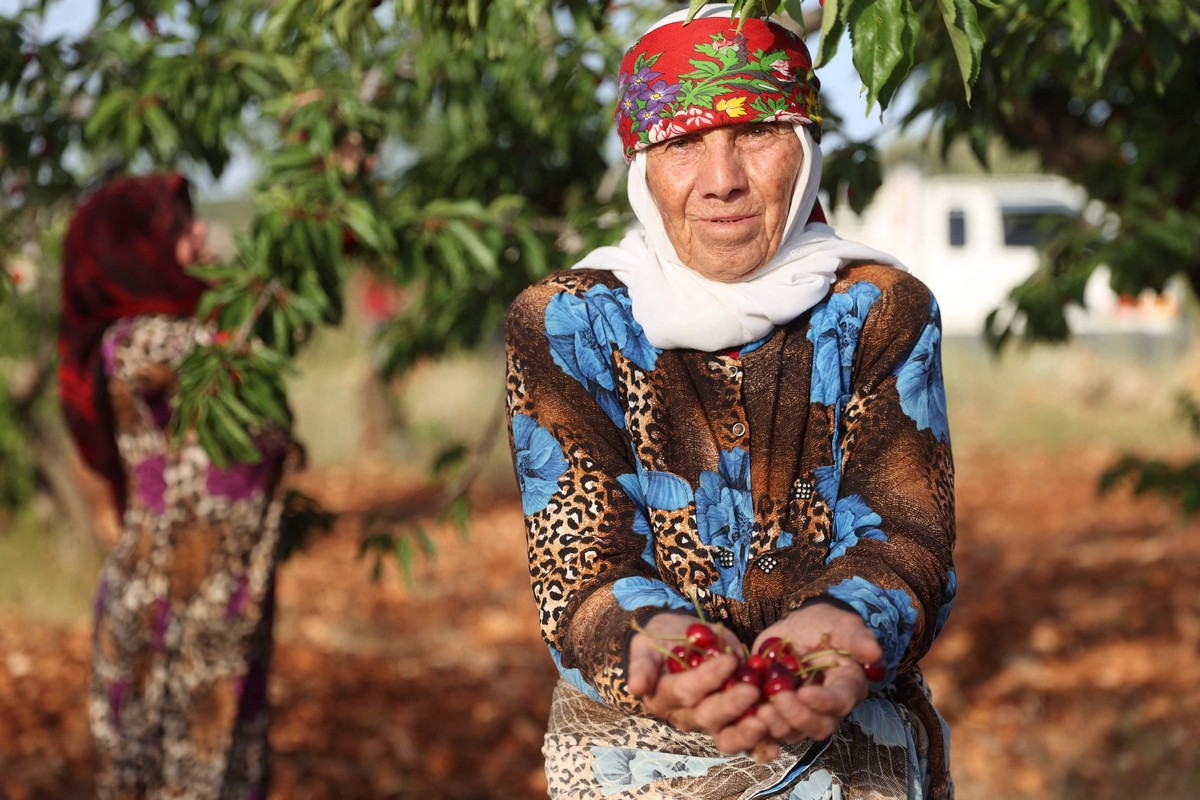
(1179, 482)
(462, 149)
(1105, 93)
(459, 149)
(28, 413)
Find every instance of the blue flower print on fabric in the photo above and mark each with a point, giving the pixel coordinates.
(725, 518)
(853, 521)
(617, 769)
(582, 332)
(635, 593)
(834, 334)
(573, 676)
(539, 462)
(641, 514)
(632, 486)
(881, 721)
(650, 489)
(919, 381)
(828, 479)
(947, 601)
(817, 786)
(889, 613)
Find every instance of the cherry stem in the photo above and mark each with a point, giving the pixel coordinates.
(694, 595)
(822, 653)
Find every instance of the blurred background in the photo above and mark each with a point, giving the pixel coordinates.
(1032, 163)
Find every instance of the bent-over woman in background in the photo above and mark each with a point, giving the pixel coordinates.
(183, 613)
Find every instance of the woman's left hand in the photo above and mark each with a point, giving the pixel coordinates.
(816, 711)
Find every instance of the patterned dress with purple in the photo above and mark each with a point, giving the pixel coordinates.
(185, 603)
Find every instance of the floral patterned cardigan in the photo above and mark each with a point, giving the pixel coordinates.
(813, 463)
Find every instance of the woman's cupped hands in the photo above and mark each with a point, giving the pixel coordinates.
(723, 693)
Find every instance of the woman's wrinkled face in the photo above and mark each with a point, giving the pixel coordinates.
(192, 246)
(724, 195)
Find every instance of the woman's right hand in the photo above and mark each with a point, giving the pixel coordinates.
(693, 700)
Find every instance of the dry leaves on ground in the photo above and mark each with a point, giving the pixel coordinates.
(1068, 669)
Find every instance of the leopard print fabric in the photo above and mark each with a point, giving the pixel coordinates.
(815, 463)
(182, 640)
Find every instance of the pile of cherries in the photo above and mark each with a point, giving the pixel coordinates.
(773, 668)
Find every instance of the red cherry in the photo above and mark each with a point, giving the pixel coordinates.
(695, 658)
(778, 671)
(769, 649)
(757, 662)
(776, 684)
(748, 674)
(875, 671)
(678, 660)
(788, 659)
(701, 636)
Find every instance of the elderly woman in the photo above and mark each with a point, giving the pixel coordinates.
(184, 609)
(733, 416)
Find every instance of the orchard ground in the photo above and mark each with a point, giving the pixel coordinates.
(1068, 669)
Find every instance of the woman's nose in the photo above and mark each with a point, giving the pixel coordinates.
(721, 172)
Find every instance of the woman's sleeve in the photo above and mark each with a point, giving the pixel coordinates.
(589, 565)
(892, 476)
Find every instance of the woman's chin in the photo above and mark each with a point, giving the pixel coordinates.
(727, 265)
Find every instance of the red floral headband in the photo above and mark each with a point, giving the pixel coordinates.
(679, 79)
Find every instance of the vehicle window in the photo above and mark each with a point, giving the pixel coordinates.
(958, 227)
(1027, 226)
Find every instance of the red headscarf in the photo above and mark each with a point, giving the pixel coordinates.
(682, 78)
(118, 261)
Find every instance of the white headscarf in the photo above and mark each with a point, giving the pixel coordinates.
(680, 308)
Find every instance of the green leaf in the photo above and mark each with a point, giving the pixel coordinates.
(967, 38)
(833, 27)
(362, 221)
(1080, 23)
(695, 7)
(108, 108)
(794, 10)
(163, 132)
(232, 438)
(474, 246)
(452, 259)
(1133, 12)
(882, 45)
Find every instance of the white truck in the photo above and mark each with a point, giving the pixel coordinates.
(972, 238)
